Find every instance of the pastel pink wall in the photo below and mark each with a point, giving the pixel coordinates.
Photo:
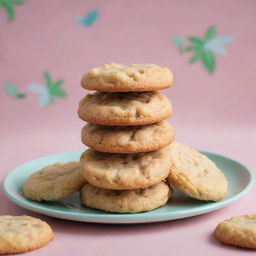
(214, 112)
(45, 36)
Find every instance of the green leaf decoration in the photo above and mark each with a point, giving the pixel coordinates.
(47, 79)
(208, 61)
(204, 49)
(88, 19)
(17, 1)
(7, 6)
(11, 90)
(178, 42)
(58, 83)
(54, 87)
(91, 17)
(210, 33)
(58, 92)
(195, 57)
(193, 47)
(196, 40)
(20, 95)
(8, 9)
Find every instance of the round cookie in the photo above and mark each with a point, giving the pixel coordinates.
(125, 201)
(54, 181)
(195, 174)
(238, 231)
(124, 109)
(121, 78)
(123, 139)
(20, 234)
(125, 171)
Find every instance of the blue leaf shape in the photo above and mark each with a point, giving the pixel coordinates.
(41, 90)
(89, 19)
(37, 88)
(216, 45)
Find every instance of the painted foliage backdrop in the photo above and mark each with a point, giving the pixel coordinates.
(46, 46)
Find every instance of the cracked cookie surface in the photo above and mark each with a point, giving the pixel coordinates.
(238, 231)
(121, 78)
(122, 139)
(124, 109)
(54, 181)
(125, 171)
(20, 234)
(195, 174)
(125, 201)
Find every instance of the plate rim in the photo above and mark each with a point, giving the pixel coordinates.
(118, 218)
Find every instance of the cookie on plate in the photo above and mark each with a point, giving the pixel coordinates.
(195, 174)
(121, 78)
(125, 171)
(131, 139)
(238, 231)
(125, 201)
(20, 234)
(54, 181)
(124, 109)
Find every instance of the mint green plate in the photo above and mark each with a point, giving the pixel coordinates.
(180, 206)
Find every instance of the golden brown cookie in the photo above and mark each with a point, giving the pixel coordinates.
(121, 78)
(195, 174)
(124, 109)
(125, 201)
(22, 234)
(125, 171)
(54, 181)
(126, 139)
(238, 231)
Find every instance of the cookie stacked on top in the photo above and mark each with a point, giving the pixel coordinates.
(128, 138)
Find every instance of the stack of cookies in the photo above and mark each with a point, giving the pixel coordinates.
(132, 156)
(129, 158)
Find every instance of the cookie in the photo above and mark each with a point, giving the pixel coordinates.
(238, 231)
(195, 174)
(121, 78)
(20, 234)
(125, 201)
(54, 181)
(126, 139)
(124, 109)
(125, 171)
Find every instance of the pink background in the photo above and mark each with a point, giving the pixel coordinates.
(214, 112)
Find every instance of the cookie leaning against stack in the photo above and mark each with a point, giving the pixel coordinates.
(54, 182)
(129, 156)
(195, 174)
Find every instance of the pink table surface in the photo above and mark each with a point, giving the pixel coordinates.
(214, 112)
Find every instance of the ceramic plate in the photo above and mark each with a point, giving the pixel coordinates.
(180, 206)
